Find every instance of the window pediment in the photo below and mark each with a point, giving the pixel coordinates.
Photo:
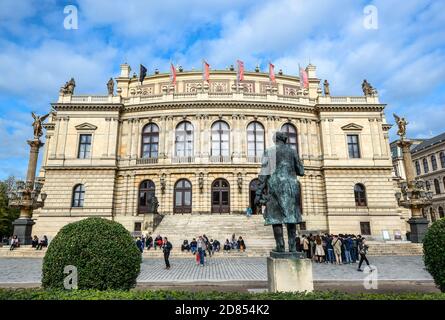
(352, 127)
(86, 126)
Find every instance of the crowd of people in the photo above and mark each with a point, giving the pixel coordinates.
(338, 249)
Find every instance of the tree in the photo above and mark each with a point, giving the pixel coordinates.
(7, 214)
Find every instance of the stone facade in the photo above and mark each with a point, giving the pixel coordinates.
(429, 164)
(114, 168)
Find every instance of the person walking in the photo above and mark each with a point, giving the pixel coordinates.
(201, 250)
(336, 244)
(363, 250)
(139, 244)
(166, 248)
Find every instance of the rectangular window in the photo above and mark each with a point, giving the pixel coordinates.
(84, 146)
(137, 226)
(353, 146)
(365, 228)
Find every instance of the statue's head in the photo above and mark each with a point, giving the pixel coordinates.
(279, 137)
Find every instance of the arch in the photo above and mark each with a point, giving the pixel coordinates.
(436, 186)
(78, 197)
(147, 191)
(442, 159)
(292, 135)
(418, 167)
(184, 139)
(360, 195)
(433, 162)
(150, 141)
(182, 198)
(425, 165)
(220, 196)
(432, 215)
(441, 213)
(255, 139)
(220, 139)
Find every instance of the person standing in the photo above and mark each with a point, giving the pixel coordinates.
(319, 252)
(201, 250)
(330, 248)
(363, 250)
(348, 247)
(305, 246)
(166, 248)
(249, 212)
(336, 244)
(139, 244)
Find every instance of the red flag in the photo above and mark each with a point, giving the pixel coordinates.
(304, 82)
(271, 72)
(173, 74)
(206, 71)
(240, 74)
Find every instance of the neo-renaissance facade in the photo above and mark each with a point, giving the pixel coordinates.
(197, 146)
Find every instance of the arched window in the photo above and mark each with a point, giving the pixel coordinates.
(428, 185)
(220, 139)
(146, 197)
(78, 196)
(183, 197)
(418, 168)
(425, 165)
(436, 186)
(442, 159)
(433, 162)
(150, 141)
(441, 213)
(184, 139)
(255, 139)
(433, 215)
(292, 137)
(360, 195)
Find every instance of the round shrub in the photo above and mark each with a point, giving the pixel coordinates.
(434, 256)
(103, 252)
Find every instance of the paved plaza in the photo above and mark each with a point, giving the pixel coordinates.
(229, 270)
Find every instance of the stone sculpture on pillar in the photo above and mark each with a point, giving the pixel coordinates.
(26, 193)
(413, 195)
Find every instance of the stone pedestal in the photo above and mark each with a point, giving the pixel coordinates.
(289, 273)
(23, 229)
(419, 227)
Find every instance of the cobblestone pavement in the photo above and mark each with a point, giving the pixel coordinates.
(410, 268)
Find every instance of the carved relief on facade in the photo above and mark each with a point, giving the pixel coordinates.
(219, 86)
(192, 86)
(290, 90)
(265, 84)
(248, 86)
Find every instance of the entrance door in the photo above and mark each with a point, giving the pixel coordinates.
(220, 196)
(252, 194)
(183, 197)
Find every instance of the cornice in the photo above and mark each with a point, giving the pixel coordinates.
(352, 107)
(232, 104)
(87, 106)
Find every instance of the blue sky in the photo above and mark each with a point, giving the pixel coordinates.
(404, 58)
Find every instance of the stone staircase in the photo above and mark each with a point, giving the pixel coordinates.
(258, 238)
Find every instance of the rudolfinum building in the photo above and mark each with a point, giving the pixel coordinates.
(197, 147)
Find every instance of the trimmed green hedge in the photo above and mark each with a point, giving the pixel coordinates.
(434, 256)
(103, 252)
(40, 294)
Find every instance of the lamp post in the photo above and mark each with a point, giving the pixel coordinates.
(413, 195)
(25, 194)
